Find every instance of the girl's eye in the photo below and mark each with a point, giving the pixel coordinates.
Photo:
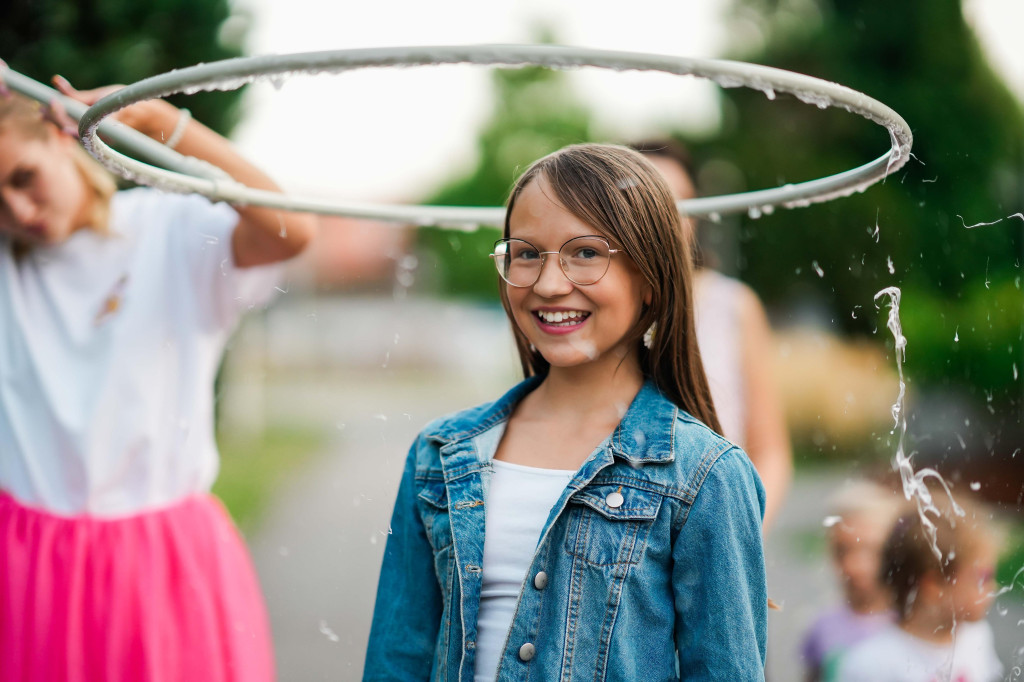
(22, 178)
(586, 253)
(527, 254)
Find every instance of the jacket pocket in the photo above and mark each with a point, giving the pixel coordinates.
(609, 524)
(433, 497)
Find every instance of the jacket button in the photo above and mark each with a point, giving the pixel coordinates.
(540, 581)
(614, 500)
(527, 652)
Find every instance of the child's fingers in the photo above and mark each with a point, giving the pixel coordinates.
(89, 97)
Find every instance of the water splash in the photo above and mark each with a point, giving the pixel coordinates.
(326, 631)
(830, 521)
(915, 485)
(969, 227)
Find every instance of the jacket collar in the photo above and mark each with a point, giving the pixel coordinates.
(644, 435)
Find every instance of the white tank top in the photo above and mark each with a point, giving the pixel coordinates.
(519, 501)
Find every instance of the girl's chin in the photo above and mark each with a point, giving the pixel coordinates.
(569, 353)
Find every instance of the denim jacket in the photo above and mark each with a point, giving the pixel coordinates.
(666, 582)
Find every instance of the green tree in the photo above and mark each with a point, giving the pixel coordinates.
(534, 114)
(963, 310)
(98, 42)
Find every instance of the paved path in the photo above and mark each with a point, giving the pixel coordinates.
(319, 551)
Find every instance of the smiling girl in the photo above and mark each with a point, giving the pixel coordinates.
(590, 524)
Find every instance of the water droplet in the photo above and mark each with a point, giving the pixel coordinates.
(892, 270)
(975, 486)
(328, 632)
(754, 212)
(817, 268)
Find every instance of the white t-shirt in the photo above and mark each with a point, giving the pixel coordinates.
(519, 500)
(892, 655)
(717, 318)
(110, 348)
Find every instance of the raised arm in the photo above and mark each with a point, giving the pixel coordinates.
(263, 235)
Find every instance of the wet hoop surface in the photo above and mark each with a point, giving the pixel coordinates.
(233, 73)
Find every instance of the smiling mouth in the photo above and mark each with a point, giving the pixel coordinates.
(567, 318)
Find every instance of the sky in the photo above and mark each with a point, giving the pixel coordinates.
(394, 134)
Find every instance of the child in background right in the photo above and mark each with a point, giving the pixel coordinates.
(861, 514)
(940, 633)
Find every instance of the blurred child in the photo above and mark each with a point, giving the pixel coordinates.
(736, 347)
(861, 515)
(116, 563)
(940, 632)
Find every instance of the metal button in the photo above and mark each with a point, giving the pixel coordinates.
(614, 500)
(540, 581)
(527, 652)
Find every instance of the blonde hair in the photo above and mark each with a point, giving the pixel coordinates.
(867, 499)
(27, 117)
(621, 194)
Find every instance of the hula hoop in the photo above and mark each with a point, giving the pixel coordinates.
(233, 73)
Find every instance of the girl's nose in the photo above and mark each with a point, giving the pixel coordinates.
(552, 281)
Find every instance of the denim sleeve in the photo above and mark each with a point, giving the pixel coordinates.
(407, 613)
(718, 576)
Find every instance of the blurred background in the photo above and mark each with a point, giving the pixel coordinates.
(384, 327)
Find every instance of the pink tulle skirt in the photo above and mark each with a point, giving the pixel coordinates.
(163, 596)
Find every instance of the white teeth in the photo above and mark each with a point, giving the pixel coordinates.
(558, 317)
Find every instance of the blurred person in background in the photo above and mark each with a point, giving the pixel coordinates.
(860, 516)
(116, 563)
(940, 631)
(736, 347)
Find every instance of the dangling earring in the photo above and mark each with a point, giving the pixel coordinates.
(533, 348)
(649, 335)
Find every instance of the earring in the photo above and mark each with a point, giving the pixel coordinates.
(533, 348)
(649, 335)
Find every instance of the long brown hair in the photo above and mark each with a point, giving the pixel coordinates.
(622, 195)
(25, 116)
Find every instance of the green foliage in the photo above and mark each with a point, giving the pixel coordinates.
(920, 58)
(99, 42)
(534, 114)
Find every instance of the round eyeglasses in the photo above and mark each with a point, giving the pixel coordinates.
(584, 260)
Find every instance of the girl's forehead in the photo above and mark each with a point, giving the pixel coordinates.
(538, 216)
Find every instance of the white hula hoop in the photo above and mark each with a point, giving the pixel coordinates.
(233, 73)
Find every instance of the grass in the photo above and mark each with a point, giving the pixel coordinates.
(251, 467)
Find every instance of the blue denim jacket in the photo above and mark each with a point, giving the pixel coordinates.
(668, 585)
